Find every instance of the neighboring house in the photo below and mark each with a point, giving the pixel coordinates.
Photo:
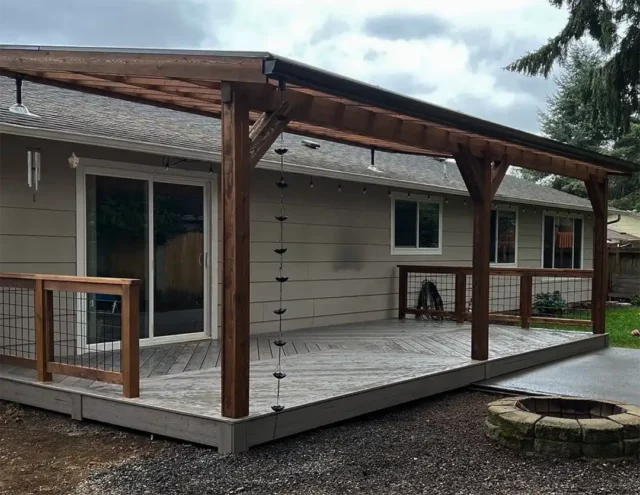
(143, 203)
(626, 223)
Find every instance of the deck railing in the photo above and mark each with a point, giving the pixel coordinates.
(85, 327)
(517, 295)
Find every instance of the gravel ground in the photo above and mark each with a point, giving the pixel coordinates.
(436, 446)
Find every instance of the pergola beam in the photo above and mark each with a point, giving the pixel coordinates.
(120, 63)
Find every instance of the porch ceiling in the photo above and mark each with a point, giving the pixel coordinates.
(324, 105)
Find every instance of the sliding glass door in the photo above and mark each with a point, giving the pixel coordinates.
(178, 259)
(155, 231)
(117, 240)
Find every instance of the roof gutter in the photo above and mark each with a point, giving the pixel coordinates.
(311, 77)
(209, 156)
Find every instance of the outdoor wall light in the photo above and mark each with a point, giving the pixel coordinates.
(18, 107)
(74, 161)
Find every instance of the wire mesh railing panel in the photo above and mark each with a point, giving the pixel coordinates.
(516, 295)
(87, 330)
(17, 323)
(431, 291)
(567, 298)
(504, 295)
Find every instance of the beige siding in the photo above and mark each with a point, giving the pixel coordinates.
(339, 261)
(37, 233)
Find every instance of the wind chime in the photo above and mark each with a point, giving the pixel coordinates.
(280, 251)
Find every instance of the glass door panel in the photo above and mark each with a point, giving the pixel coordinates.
(117, 246)
(178, 258)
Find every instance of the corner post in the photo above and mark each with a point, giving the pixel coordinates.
(598, 188)
(130, 350)
(235, 259)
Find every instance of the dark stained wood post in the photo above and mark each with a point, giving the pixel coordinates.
(526, 295)
(43, 326)
(130, 335)
(597, 188)
(402, 293)
(461, 295)
(235, 247)
(481, 268)
(482, 178)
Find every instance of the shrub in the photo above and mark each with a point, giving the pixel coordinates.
(549, 304)
(635, 300)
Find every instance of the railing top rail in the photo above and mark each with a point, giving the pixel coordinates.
(540, 272)
(69, 279)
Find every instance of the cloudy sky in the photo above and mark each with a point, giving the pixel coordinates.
(451, 52)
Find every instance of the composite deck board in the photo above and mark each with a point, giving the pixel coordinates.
(197, 358)
(168, 361)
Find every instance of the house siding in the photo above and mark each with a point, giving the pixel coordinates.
(339, 258)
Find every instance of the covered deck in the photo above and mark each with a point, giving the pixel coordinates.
(257, 96)
(334, 373)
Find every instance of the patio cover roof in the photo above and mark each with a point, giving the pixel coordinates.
(322, 104)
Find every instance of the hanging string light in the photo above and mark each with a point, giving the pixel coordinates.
(280, 251)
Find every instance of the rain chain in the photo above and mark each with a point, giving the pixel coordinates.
(281, 279)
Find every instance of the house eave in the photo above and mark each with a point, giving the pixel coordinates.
(213, 157)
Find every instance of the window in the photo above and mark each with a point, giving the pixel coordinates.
(562, 242)
(504, 232)
(416, 225)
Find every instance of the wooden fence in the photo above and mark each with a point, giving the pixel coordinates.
(45, 322)
(624, 272)
(517, 295)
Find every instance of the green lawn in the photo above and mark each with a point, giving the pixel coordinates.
(620, 323)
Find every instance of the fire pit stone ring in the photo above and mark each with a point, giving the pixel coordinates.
(565, 427)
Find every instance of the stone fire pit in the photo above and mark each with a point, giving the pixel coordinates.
(566, 427)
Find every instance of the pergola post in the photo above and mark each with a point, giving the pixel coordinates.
(235, 247)
(482, 179)
(597, 188)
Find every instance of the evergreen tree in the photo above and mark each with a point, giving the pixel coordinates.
(573, 117)
(614, 82)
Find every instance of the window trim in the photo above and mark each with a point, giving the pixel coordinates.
(416, 198)
(573, 216)
(515, 260)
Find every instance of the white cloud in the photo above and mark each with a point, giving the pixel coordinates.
(445, 68)
(449, 53)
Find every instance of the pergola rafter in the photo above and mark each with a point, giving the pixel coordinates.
(241, 88)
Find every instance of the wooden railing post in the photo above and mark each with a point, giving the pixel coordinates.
(526, 295)
(402, 293)
(130, 334)
(43, 308)
(461, 295)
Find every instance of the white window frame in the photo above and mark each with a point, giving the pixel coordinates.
(573, 216)
(416, 198)
(497, 209)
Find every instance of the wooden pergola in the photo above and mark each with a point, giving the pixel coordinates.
(242, 90)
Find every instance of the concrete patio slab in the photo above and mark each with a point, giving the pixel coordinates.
(609, 373)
